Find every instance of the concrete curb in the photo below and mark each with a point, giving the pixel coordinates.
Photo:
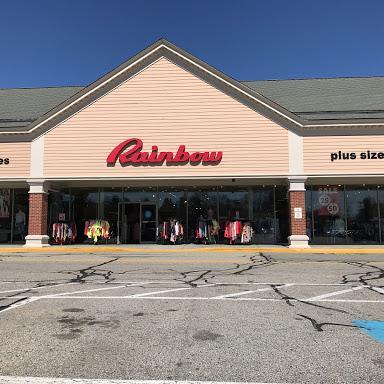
(229, 249)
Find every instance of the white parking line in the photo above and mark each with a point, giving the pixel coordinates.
(237, 296)
(95, 290)
(169, 290)
(157, 292)
(181, 298)
(54, 380)
(378, 289)
(36, 288)
(248, 292)
(20, 304)
(331, 294)
(63, 294)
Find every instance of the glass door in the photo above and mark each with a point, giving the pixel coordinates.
(128, 230)
(148, 222)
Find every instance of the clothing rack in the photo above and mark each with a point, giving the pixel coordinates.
(207, 231)
(238, 232)
(96, 229)
(64, 232)
(170, 231)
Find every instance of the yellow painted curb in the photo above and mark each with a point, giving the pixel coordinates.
(104, 249)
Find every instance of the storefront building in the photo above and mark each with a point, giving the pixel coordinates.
(167, 149)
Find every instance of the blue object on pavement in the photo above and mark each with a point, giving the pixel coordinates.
(375, 329)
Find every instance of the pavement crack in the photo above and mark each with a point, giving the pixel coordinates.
(4, 307)
(265, 261)
(365, 277)
(258, 260)
(92, 271)
(285, 297)
(289, 299)
(193, 282)
(319, 326)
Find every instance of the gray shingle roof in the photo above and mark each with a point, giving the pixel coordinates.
(21, 106)
(337, 98)
(311, 99)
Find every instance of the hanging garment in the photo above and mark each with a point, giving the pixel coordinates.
(171, 231)
(247, 233)
(215, 227)
(64, 232)
(95, 229)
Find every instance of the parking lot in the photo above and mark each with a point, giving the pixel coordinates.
(240, 317)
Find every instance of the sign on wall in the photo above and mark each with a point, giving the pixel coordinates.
(298, 213)
(328, 201)
(129, 152)
(367, 155)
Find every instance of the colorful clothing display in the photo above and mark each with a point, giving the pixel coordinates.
(246, 233)
(236, 231)
(202, 230)
(171, 231)
(215, 228)
(207, 231)
(64, 232)
(95, 229)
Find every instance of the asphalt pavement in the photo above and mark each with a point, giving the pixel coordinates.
(217, 316)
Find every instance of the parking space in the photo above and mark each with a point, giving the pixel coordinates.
(242, 319)
(171, 290)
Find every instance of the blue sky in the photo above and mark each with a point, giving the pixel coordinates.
(73, 42)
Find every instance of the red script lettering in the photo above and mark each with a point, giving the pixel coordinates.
(130, 152)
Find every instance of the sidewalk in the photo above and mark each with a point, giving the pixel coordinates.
(194, 248)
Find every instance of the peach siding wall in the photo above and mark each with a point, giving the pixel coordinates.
(317, 152)
(167, 106)
(19, 155)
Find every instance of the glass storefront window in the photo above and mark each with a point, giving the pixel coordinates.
(20, 213)
(59, 206)
(339, 214)
(233, 204)
(265, 208)
(335, 214)
(263, 215)
(85, 207)
(308, 211)
(140, 195)
(14, 228)
(282, 214)
(329, 221)
(362, 215)
(380, 196)
(202, 204)
(5, 214)
(173, 206)
(109, 203)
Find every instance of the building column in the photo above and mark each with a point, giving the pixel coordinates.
(38, 215)
(298, 230)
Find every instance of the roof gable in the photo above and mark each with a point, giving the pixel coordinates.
(244, 92)
(137, 63)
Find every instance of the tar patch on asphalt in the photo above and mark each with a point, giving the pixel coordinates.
(73, 310)
(205, 335)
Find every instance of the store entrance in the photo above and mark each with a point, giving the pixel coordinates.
(137, 223)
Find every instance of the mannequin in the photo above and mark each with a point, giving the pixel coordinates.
(20, 223)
